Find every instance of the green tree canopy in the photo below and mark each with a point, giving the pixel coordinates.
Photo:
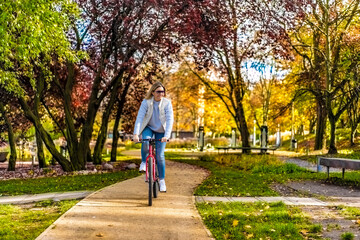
(31, 33)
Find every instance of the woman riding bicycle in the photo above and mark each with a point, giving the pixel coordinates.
(155, 120)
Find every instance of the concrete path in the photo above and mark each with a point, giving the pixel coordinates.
(23, 199)
(287, 200)
(121, 211)
(348, 201)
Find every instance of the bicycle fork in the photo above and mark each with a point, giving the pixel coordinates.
(152, 156)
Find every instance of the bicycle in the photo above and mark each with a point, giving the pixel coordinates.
(152, 176)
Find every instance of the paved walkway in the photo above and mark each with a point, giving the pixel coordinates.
(349, 201)
(295, 201)
(23, 199)
(286, 200)
(121, 211)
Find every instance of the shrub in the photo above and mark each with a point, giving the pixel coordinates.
(251, 162)
(317, 228)
(347, 236)
(131, 145)
(218, 141)
(182, 143)
(256, 163)
(207, 158)
(278, 168)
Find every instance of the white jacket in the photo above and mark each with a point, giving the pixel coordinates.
(146, 111)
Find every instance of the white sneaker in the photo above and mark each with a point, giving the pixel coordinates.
(162, 185)
(142, 167)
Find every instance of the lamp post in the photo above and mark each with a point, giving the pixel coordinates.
(201, 138)
(233, 137)
(254, 138)
(278, 136)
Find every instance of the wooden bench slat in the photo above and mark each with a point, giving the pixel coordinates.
(340, 163)
(343, 163)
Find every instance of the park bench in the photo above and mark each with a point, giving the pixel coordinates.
(338, 163)
(3, 156)
(227, 148)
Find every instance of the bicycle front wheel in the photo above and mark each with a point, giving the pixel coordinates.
(150, 171)
(156, 182)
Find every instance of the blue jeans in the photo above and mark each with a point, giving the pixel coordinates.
(159, 149)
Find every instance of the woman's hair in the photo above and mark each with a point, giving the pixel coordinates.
(153, 88)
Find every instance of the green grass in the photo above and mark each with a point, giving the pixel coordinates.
(132, 145)
(256, 221)
(351, 213)
(301, 141)
(119, 157)
(252, 175)
(245, 175)
(64, 183)
(27, 223)
(347, 236)
(106, 155)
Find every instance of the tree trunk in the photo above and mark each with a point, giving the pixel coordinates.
(40, 150)
(332, 148)
(12, 159)
(115, 137)
(39, 144)
(100, 142)
(121, 104)
(65, 164)
(101, 139)
(244, 131)
(352, 135)
(86, 132)
(77, 160)
(312, 126)
(320, 124)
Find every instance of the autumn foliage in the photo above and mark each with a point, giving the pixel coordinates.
(91, 62)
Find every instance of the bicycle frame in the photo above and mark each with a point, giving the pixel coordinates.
(152, 156)
(151, 175)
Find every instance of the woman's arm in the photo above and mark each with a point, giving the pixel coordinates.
(169, 115)
(140, 117)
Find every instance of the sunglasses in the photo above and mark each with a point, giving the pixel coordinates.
(159, 92)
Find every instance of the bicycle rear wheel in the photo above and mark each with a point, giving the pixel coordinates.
(150, 171)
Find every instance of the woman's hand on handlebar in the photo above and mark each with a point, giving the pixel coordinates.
(164, 139)
(136, 138)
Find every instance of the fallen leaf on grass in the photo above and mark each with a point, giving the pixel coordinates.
(248, 226)
(358, 221)
(304, 232)
(249, 236)
(99, 235)
(235, 223)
